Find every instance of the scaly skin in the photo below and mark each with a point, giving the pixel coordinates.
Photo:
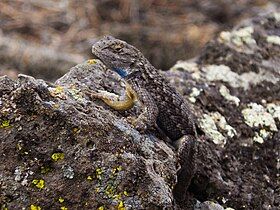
(119, 105)
(163, 105)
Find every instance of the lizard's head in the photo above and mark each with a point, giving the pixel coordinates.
(116, 54)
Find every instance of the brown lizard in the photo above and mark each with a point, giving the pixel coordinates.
(164, 107)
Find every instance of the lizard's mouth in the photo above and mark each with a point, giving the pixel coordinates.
(95, 52)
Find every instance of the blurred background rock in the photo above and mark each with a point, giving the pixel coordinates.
(44, 38)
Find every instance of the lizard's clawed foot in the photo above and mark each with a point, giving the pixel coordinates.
(137, 124)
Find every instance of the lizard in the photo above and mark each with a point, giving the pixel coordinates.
(164, 107)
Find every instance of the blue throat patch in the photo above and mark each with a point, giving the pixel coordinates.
(121, 72)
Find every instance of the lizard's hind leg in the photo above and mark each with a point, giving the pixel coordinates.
(187, 159)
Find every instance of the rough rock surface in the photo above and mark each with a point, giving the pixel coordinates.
(62, 149)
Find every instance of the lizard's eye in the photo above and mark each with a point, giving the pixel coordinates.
(118, 47)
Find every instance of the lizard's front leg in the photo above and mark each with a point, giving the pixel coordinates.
(113, 101)
(187, 151)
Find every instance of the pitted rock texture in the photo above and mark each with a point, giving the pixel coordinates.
(60, 148)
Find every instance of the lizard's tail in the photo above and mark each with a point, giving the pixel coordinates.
(187, 160)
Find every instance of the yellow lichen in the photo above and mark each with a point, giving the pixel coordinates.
(91, 61)
(109, 191)
(125, 193)
(89, 178)
(34, 207)
(61, 200)
(100, 208)
(121, 206)
(5, 124)
(98, 173)
(57, 156)
(63, 208)
(76, 130)
(58, 91)
(116, 169)
(39, 183)
(56, 106)
(118, 196)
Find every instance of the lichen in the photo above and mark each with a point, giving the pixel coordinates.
(189, 67)
(210, 128)
(76, 94)
(91, 61)
(222, 124)
(210, 124)
(257, 116)
(76, 130)
(35, 207)
(274, 110)
(39, 183)
(57, 156)
(224, 73)
(108, 186)
(273, 39)
(121, 206)
(195, 92)
(5, 124)
(276, 16)
(261, 136)
(68, 172)
(226, 94)
(98, 173)
(89, 178)
(60, 200)
(57, 92)
(238, 37)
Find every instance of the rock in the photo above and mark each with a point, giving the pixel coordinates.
(61, 149)
(208, 205)
(237, 82)
(57, 144)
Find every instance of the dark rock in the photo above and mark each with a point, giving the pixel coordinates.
(61, 148)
